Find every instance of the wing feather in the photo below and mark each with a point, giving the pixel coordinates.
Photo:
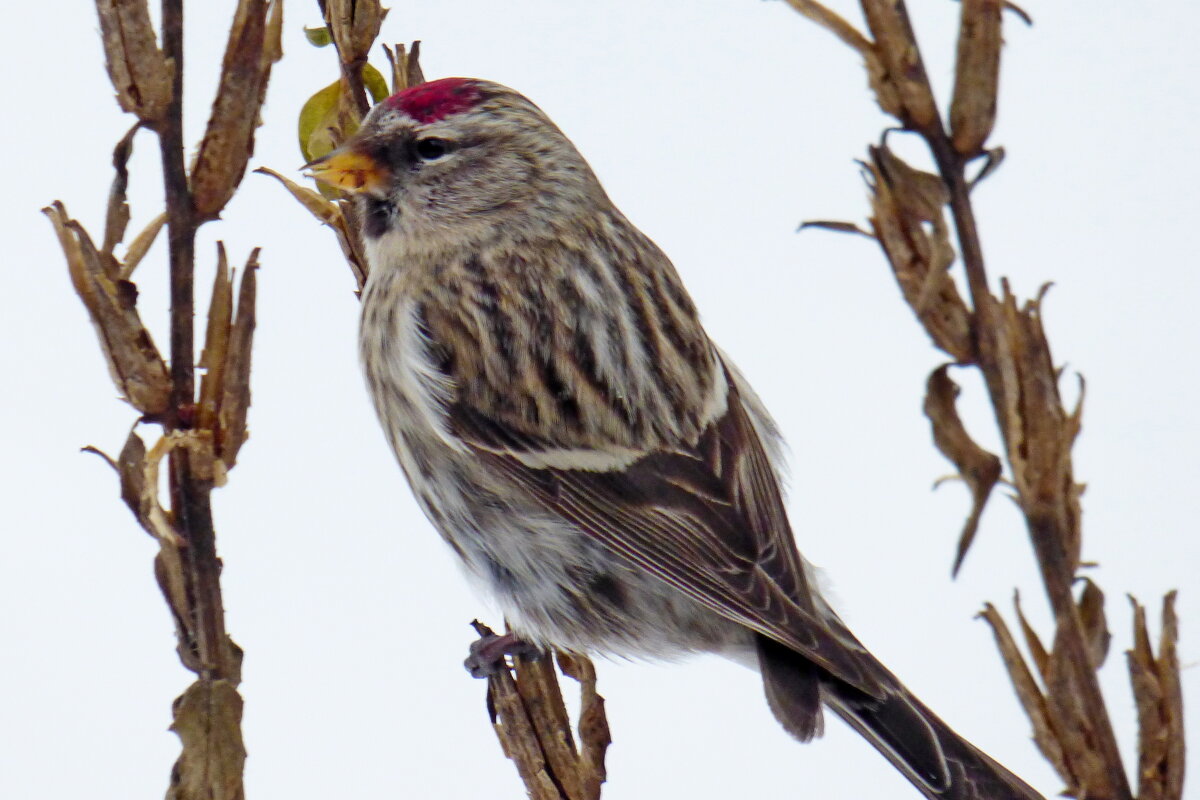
(706, 518)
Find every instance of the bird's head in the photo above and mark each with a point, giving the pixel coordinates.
(458, 159)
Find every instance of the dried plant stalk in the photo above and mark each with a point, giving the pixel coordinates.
(201, 435)
(1004, 338)
(534, 729)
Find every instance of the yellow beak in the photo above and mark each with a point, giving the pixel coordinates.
(349, 170)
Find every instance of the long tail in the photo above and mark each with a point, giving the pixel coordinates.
(941, 764)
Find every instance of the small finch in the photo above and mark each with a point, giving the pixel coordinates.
(566, 424)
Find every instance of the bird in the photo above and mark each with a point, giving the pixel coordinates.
(599, 465)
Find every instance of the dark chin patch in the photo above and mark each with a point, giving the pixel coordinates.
(378, 216)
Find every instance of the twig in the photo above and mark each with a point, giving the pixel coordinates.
(200, 444)
(1008, 345)
(190, 499)
(181, 231)
(1046, 535)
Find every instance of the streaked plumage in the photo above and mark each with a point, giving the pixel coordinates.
(574, 435)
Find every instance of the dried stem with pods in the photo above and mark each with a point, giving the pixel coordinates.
(1003, 338)
(525, 703)
(201, 432)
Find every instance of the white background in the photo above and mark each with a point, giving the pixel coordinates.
(717, 125)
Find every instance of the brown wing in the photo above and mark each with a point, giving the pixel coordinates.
(707, 519)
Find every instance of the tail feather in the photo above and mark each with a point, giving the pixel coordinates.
(898, 729)
(940, 764)
(793, 689)
(968, 773)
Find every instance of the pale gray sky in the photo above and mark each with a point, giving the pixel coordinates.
(716, 125)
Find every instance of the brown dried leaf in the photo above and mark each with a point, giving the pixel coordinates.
(168, 564)
(886, 91)
(133, 361)
(1037, 651)
(977, 76)
(398, 78)
(411, 62)
(1020, 12)
(338, 216)
(141, 245)
(117, 217)
(325, 211)
(833, 23)
(139, 73)
(132, 471)
(96, 451)
(978, 468)
(208, 721)
(909, 223)
(594, 734)
(993, 158)
(834, 225)
(228, 142)
(1095, 623)
(1028, 692)
(1077, 730)
(235, 389)
(406, 66)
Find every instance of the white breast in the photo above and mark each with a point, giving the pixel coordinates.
(410, 393)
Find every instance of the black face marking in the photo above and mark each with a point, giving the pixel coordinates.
(378, 216)
(396, 153)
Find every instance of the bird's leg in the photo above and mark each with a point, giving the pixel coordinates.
(486, 654)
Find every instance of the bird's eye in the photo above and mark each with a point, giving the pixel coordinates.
(431, 149)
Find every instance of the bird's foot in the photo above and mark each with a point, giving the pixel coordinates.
(487, 653)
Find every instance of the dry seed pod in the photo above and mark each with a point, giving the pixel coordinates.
(225, 387)
(235, 388)
(208, 721)
(1038, 430)
(229, 139)
(976, 76)
(133, 361)
(1029, 692)
(139, 73)
(1156, 687)
(216, 344)
(355, 24)
(406, 66)
(899, 55)
(908, 220)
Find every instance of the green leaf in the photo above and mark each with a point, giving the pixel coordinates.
(375, 83)
(318, 117)
(319, 36)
